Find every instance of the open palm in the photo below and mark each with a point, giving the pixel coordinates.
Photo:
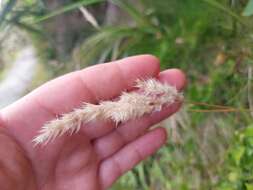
(101, 152)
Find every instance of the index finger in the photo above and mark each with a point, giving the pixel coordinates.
(93, 84)
(65, 93)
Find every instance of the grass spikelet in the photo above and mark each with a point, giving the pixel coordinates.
(151, 96)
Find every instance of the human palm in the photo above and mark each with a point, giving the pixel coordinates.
(95, 157)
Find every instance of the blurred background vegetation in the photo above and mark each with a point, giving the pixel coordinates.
(210, 142)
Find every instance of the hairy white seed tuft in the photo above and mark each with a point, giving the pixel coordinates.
(150, 96)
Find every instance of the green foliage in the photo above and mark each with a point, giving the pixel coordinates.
(66, 8)
(237, 172)
(224, 8)
(248, 11)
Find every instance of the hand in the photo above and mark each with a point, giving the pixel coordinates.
(100, 153)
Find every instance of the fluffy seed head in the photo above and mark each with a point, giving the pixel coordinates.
(150, 96)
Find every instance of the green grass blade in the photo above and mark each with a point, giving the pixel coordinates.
(134, 13)
(225, 9)
(104, 40)
(67, 8)
(109, 34)
(248, 11)
(27, 27)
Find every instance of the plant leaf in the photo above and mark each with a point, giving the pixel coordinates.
(248, 11)
(67, 8)
(225, 9)
(132, 11)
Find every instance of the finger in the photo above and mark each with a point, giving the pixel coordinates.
(112, 142)
(174, 77)
(130, 156)
(65, 93)
(93, 84)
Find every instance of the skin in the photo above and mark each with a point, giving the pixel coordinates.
(100, 153)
